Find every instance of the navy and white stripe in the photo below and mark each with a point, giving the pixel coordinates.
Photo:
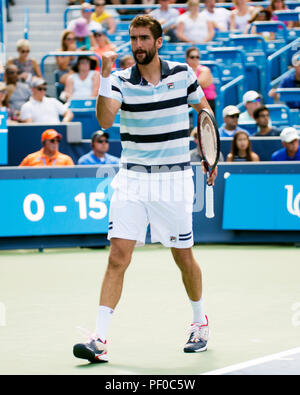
(154, 120)
(186, 236)
(110, 225)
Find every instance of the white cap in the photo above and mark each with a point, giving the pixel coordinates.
(250, 96)
(288, 135)
(296, 59)
(230, 110)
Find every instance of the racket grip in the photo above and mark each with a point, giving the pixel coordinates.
(209, 198)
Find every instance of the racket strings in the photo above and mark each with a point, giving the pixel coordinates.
(208, 140)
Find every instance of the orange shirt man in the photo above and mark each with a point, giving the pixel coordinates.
(49, 154)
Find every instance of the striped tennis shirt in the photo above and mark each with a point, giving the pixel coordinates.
(154, 120)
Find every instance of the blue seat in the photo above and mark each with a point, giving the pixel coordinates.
(280, 115)
(276, 27)
(84, 111)
(84, 104)
(255, 50)
(287, 15)
(232, 61)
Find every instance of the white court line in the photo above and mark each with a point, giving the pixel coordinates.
(253, 362)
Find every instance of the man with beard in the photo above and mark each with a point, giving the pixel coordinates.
(154, 184)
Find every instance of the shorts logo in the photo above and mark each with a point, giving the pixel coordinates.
(173, 238)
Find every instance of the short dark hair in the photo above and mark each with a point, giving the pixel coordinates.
(258, 110)
(148, 21)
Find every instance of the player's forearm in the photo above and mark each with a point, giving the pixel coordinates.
(105, 112)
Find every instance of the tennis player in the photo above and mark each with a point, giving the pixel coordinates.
(153, 96)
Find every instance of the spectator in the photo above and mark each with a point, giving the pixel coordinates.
(101, 16)
(165, 14)
(290, 141)
(240, 16)
(203, 75)
(126, 11)
(84, 82)
(195, 153)
(241, 150)
(102, 43)
(27, 67)
(262, 118)
(193, 27)
(4, 103)
(83, 37)
(86, 13)
(49, 155)
(65, 63)
(98, 155)
(127, 61)
(43, 109)
(220, 16)
(18, 92)
(279, 5)
(251, 100)
(261, 14)
(230, 126)
(291, 80)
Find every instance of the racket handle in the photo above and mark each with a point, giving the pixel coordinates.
(209, 198)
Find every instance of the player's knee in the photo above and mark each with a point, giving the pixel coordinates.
(119, 259)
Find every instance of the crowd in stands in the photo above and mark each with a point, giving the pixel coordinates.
(23, 91)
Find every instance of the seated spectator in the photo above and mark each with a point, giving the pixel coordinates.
(4, 104)
(43, 109)
(103, 17)
(84, 82)
(102, 43)
(86, 13)
(65, 63)
(261, 14)
(291, 150)
(241, 150)
(49, 155)
(203, 75)
(240, 16)
(127, 61)
(195, 153)
(165, 14)
(18, 92)
(193, 27)
(230, 126)
(262, 118)
(220, 16)
(84, 39)
(279, 5)
(98, 155)
(292, 80)
(27, 67)
(251, 100)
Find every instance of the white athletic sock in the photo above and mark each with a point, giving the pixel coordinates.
(103, 320)
(198, 312)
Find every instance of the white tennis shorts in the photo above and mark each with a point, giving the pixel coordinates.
(165, 202)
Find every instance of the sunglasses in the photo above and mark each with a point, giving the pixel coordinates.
(54, 141)
(41, 89)
(99, 5)
(87, 10)
(11, 72)
(234, 116)
(194, 57)
(98, 34)
(101, 141)
(258, 100)
(3, 91)
(25, 51)
(70, 38)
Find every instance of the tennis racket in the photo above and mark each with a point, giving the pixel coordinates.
(209, 145)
